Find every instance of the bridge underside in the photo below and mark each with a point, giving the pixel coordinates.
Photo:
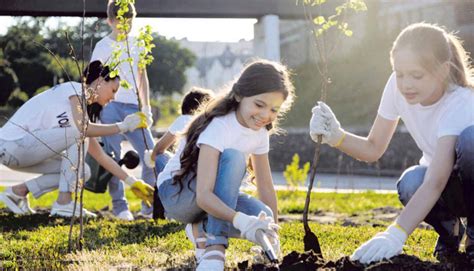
(285, 9)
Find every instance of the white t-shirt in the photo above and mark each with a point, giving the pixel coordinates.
(179, 124)
(47, 110)
(103, 52)
(222, 133)
(426, 124)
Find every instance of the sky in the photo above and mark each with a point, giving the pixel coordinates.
(225, 30)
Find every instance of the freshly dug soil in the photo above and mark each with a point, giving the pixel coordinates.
(309, 261)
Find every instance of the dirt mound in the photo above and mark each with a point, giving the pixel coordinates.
(309, 261)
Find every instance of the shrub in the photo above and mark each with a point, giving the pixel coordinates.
(295, 175)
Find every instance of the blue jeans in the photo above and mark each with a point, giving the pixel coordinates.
(456, 199)
(161, 160)
(116, 112)
(182, 205)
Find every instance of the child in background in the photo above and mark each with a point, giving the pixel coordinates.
(431, 90)
(200, 185)
(191, 102)
(125, 102)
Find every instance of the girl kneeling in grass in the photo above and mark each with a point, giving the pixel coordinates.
(201, 183)
(431, 90)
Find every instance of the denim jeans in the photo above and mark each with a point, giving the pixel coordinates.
(161, 160)
(456, 199)
(182, 205)
(116, 112)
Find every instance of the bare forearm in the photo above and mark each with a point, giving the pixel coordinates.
(144, 88)
(212, 205)
(96, 130)
(111, 166)
(360, 148)
(268, 196)
(418, 207)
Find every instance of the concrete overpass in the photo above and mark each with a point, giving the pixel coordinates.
(285, 9)
(268, 13)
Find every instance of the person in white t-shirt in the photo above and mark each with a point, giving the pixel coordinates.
(431, 90)
(192, 100)
(200, 185)
(42, 137)
(125, 103)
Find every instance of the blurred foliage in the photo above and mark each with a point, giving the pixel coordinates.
(167, 72)
(26, 64)
(17, 98)
(168, 109)
(294, 175)
(8, 79)
(357, 79)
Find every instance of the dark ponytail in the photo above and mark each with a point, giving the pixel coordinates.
(96, 69)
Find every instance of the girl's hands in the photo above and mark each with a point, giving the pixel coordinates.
(323, 122)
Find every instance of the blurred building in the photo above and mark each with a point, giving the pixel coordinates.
(386, 17)
(217, 63)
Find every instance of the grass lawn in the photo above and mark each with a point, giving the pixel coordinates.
(162, 244)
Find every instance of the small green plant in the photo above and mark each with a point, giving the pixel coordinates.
(295, 175)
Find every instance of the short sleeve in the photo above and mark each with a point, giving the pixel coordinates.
(264, 146)
(214, 135)
(179, 124)
(387, 108)
(459, 115)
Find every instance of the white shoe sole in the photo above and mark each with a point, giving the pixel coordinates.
(69, 214)
(11, 205)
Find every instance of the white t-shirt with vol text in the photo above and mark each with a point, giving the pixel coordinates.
(47, 110)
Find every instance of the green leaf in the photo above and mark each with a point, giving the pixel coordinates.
(125, 84)
(319, 20)
(348, 32)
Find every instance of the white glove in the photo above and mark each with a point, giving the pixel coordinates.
(384, 245)
(132, 122)
(148, 159)
(324, 122)
(248, 226)
(146, 110)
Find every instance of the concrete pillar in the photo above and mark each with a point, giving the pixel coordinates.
(267, 37)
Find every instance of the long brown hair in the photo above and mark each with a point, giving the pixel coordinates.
(258, 77)
(434, 46)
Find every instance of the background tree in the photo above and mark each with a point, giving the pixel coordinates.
(27, 59)
(8, 79)
(167, 72)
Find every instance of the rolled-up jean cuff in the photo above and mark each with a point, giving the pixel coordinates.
(217, 240)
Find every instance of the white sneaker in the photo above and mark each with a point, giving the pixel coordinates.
(66, 210)
(206, 264)
(16, 204)
(143, 215)
(125, 215)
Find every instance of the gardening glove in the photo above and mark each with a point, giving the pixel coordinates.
(132, 122)
(149, 159)
(324, 122)
(146, 110)
(248, 226)
(141, 189)
(384, 245)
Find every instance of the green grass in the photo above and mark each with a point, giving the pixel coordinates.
(289, 202)
(111, 244)
(153, 244)
(293, 202)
